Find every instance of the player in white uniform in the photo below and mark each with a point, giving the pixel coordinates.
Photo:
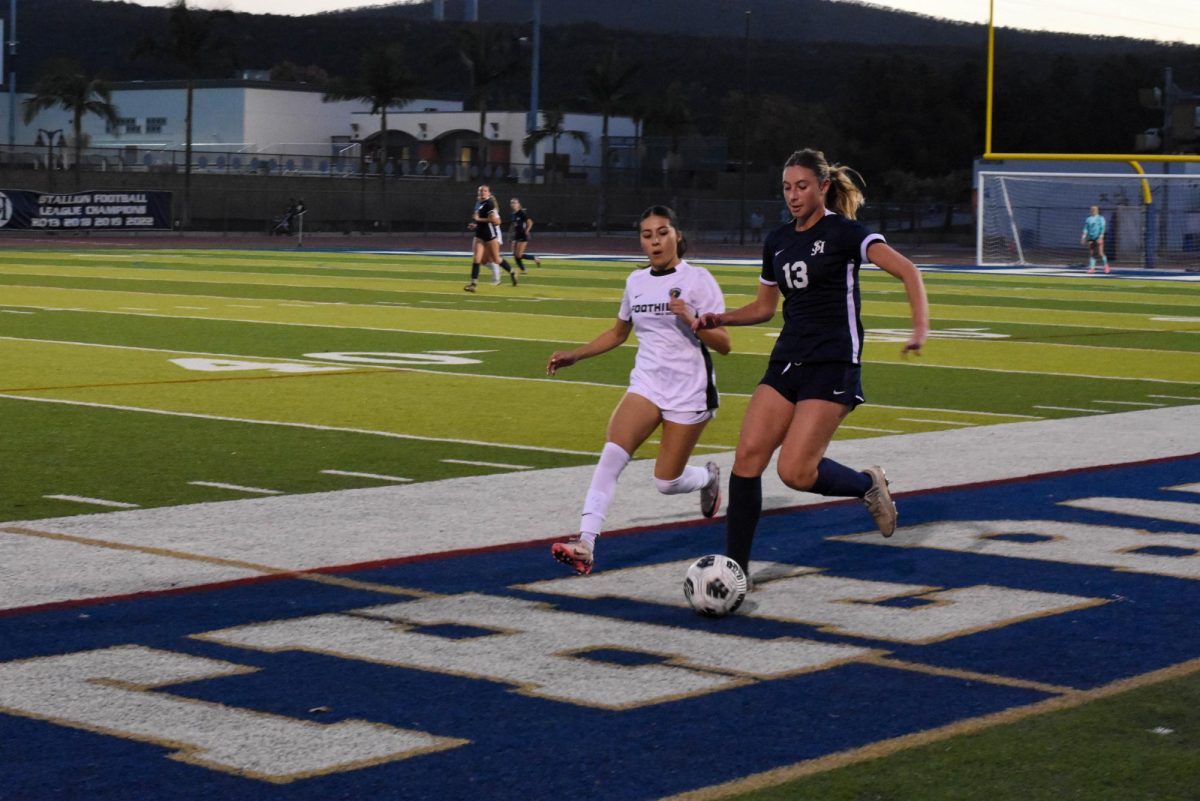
(672, 383)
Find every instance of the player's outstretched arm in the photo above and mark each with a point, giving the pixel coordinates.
(759, 310)
(612, 338)
(891, 261)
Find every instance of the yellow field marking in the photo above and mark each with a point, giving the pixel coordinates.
(960, 728)
(971, 675)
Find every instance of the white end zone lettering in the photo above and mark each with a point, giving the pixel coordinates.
(543, 650)
(116, 691)
(848, 606)
(1132, 549)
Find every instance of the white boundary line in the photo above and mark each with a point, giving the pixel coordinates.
(308, 426)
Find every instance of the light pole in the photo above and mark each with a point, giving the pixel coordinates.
(12, 72)
(535, 50)
(745, 130)
(48, 138)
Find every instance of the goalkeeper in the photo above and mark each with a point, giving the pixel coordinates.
(1093, 236)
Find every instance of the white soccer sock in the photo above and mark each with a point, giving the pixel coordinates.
(495, 270)
(600, 493)
(691, 479)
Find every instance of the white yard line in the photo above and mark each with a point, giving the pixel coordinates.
(236, 487)
(1176, 397)
(1070, 409)
(93, 501)
(309, 426)
(489, 464)
(1130, 403)
(356, 474)
(938, 422)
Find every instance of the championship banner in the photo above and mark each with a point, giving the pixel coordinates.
(142, 211)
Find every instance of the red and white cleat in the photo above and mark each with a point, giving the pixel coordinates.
(575, 553)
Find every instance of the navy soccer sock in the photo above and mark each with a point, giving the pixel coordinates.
(474, 271)
(741, 517)
(838, 480)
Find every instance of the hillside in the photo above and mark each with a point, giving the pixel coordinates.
(880, 89)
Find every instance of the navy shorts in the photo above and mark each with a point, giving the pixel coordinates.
(486, 232)
(838, 382)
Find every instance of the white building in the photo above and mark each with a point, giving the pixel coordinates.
(248, 124)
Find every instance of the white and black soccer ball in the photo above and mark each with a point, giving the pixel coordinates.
(715, 585)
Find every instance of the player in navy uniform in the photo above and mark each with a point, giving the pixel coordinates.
(813, 380)
(485, 222)
(672, 382)
(521, 226)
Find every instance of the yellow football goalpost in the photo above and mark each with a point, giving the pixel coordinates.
(1132, 159)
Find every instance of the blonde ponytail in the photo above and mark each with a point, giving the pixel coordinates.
(845, 194)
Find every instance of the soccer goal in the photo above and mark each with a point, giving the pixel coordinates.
(1033, 218)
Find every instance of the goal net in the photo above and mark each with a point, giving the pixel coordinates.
(1037, 218)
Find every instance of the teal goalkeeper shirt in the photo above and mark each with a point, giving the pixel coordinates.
(1093, 226)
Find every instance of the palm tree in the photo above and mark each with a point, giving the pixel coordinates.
(554, 128)
(384, 82)
(608, 84)
(192, 42)
(65, 85)
(485, 68)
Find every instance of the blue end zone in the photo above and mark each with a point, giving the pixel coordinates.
(527, 747)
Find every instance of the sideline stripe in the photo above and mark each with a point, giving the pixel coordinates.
(309, 426)
(322, 573)
(320, 576)
(93, 501)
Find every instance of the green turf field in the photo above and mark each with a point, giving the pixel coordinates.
(129, 374)
(114, 329)
(144, 378)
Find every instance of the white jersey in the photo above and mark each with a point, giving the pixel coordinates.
(673, 367)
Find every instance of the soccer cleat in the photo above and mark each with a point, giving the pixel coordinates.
(710, 493)
(878, 501)
(1091, 269)
(1107, 269)
(513, 276)
(574, 553)
(469, 287)
(537, 261)
(496, 282)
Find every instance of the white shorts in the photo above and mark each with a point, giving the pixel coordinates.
(688, 418)
(680, 416)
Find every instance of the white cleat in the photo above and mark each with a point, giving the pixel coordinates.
(878, 501)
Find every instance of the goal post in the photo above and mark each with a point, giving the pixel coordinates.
(1036, 218)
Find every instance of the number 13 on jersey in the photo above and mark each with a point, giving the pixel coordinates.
(795, 274)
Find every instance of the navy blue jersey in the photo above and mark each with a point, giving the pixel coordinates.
(520, 224)
(486, 230)
(817, 273)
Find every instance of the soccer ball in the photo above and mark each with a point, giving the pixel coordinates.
(715, 585)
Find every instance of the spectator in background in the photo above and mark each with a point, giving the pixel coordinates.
(756, 225)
